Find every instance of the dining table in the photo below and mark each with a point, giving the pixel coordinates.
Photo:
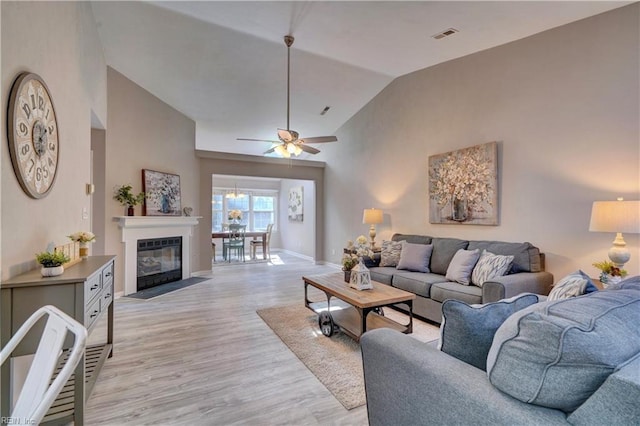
(249, 234)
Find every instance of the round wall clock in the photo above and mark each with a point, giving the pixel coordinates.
(33, 135)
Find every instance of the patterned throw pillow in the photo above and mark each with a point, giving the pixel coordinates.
(390, 254)
(575, 284)
(490, 266)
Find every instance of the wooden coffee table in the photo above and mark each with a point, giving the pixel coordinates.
(363, 308)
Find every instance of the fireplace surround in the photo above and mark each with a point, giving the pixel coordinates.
(135, 228)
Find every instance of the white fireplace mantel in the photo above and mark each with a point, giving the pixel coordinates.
(136, 228)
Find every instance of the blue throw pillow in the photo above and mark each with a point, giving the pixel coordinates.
(467, 331)
(574, 284)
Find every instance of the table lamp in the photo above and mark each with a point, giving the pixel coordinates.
(616, 216)
(372, 217)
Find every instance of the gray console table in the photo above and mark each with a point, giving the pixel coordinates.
(84, 292)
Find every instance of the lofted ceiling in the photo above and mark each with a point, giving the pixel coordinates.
(223, 63)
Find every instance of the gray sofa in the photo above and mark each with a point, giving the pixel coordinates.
(590, 375)
(526, 275)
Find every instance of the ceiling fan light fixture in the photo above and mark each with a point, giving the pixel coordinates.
(281, 151)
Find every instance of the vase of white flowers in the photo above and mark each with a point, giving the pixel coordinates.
(83, 237)
(235, 216)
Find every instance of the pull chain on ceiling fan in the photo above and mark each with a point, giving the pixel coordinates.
(289, 144)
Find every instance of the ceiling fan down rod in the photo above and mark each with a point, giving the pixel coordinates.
(288, 40)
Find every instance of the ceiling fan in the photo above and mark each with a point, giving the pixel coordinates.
(289, 144)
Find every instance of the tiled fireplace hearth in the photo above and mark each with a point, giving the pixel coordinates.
(136, 228)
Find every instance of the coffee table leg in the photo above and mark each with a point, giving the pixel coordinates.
(410, 327)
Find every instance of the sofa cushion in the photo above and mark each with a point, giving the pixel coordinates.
(490, 266)
(466, 331)
(415, 257)
(449, 290)
(382, 274)
(574, 284)
(413, 239)
(390, 253)
(443, 251)
(461, 265)
(526, 257)
(556, 354)
(416, 282)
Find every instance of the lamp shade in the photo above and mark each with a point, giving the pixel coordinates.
(615, 216)
(372, 216)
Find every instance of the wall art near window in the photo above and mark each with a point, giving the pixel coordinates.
(296, 204)
(162, 193)
(463, 186)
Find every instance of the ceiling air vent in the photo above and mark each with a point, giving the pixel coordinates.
(445, 33)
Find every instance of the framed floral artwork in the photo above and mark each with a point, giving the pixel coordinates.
(296, 204)
(463, 186)
(161, 194)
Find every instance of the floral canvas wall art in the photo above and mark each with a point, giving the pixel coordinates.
(463, 186)
(296, 204)
(162, 193)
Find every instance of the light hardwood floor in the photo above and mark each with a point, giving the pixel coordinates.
(202, 356)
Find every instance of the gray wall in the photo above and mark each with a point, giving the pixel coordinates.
(563, 103)
(59, 42)
(298, 237)
(145, 133)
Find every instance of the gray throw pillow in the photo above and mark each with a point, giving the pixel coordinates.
(415, 257)
(574, 284)
(467, 331)
(390, 253)
(461, 265)
(556, 354)
(490, 266)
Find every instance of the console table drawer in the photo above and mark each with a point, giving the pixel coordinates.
(107, 273)
(92, 313)
(107, 295)
(92, 287)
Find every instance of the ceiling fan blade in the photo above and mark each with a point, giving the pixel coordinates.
(320, 139)
(256, 140)
(307, 148)
(287, 135)
(269, 151)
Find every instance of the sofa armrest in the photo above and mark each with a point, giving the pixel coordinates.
(511, 285)
(408, 382)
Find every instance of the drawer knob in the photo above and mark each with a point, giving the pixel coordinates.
(94, 314)
(93, 287)
(108, 295)
(108, 274)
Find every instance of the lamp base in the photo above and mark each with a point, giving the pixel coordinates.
(372, 235)
(619, 253)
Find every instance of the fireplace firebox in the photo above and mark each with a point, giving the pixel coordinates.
(159, 261)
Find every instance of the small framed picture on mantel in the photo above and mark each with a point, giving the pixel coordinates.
(161, 193)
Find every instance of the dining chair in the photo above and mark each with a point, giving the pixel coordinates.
(235, 241)
(40, 388)
(258, 243)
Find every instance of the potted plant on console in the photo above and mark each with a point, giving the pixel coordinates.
(51, 263)
(125, 197)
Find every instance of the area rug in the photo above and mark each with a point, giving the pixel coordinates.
(159, 290)
(336, 361)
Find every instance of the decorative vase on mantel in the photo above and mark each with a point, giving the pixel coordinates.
(52, 271)
(131, 211)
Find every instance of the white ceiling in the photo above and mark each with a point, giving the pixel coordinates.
(223, 64)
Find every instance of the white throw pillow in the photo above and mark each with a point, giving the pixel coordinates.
(461, 265)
